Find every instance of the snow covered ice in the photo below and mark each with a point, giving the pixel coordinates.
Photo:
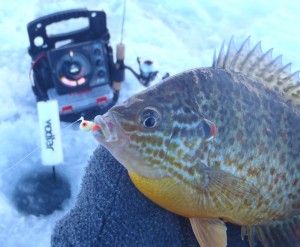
(177, 35)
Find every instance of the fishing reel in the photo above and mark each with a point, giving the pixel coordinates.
(147, 72)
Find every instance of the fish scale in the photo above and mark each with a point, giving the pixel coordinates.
(247, 143)
(246, 172)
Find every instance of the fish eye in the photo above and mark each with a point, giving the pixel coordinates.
(149, 117)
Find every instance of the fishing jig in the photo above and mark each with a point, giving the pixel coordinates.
(88, 125)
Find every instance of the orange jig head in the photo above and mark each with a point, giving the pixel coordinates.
(88, 126)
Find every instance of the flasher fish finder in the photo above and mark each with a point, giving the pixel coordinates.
(81, 75)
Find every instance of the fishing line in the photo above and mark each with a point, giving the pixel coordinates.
(34, 150)
(123, 20)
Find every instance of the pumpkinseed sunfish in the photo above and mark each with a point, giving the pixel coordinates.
(217, 144)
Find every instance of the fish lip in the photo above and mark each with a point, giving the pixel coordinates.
(108, 127)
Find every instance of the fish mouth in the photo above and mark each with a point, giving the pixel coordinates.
(108, 128)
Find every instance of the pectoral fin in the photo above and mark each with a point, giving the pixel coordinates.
(209, 232)
(223, 187)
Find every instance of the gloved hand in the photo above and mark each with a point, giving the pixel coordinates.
(110, 211)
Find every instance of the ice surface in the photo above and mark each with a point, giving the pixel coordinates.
(177, 35)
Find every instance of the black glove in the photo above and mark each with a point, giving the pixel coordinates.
(110, 211)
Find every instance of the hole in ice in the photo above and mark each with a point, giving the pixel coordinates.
(41, 193)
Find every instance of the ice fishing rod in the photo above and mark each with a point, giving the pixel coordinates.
(123, 20)
(147, 73)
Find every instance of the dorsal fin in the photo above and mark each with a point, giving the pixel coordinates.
(241, 55)
(231, 52)
(261, 66)
(221, 57)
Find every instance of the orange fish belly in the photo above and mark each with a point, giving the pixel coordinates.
(180, 199)
(171, 195)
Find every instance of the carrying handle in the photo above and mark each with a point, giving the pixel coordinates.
(37, 29)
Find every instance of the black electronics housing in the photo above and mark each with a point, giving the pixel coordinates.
(79, 74)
